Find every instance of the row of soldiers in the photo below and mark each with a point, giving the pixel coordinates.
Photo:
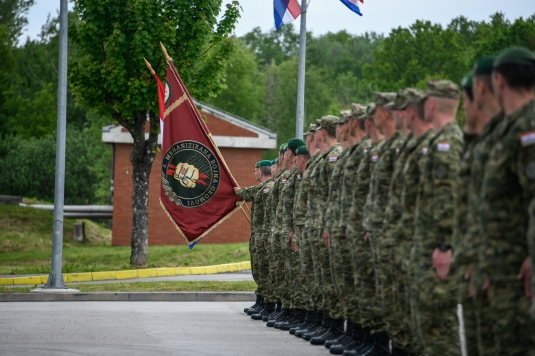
(390, 231)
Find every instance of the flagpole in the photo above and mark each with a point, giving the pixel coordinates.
(300, 115)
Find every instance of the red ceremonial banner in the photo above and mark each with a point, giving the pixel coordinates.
(197, 187)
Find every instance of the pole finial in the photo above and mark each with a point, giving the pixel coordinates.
(149, 66)
(167, 58)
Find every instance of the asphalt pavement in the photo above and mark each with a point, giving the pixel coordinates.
(141, 328)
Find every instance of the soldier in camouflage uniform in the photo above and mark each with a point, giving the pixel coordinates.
(362, 262)
(391, 288)
(508, 187)
(435, 286)
(410, 181)
(376, 203)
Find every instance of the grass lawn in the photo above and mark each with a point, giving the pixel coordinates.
(180, 286)
(26, 247)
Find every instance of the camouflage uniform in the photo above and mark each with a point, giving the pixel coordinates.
(412, 172)
(248, 194)
(332, 219)
(374, 209)
(344, 276)
(392, 290)
(319, 196)
(362, 258)
(301, 235)
(264, 282)
(291, 258)
(435, 299)
(531, 245)
(508, 188)
(272, 232)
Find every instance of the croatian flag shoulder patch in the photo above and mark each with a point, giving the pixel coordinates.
(375, 157)
(266, 190)
(443, 146)
(298, 176)
(283, 180)
(527, 138)
(333, 159)
(425, 149)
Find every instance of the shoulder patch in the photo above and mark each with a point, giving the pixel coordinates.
(397, 150)
(365, 151)
(283, 180)
(333, 158)
(527, 138)
(425, 149)
(443, 146)
(266, 190)
(298, 176)
(375, 157)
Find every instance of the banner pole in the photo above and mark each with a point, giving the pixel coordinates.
(300, 115)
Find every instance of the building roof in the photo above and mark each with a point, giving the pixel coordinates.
(265, 139)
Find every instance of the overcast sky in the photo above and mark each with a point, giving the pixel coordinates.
(332, 16)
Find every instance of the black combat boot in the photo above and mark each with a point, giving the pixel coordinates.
(399, 352)
(268, 309)
(254, 305)
(325, 325)
(256, 309)
(377, 345)
(310, 317)
(274, 314)
(363, 342)
(283, 315)
(299, 319)
(346, 336)
(292, 316)
(335, 331)
(315, 325)
(355, 338)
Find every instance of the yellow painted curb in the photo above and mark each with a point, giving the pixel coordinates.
(130, 274)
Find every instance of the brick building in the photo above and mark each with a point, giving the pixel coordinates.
(241, 143)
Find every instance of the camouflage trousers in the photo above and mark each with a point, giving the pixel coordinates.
(342, 274)
(331, 300)
(265, 286)
(371, 315)
(313, 241)
(277, 268)
(512, 327)
(294, 277)
(254, 261)
(434, 305)
(307, 268)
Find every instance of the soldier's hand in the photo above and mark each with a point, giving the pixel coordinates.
(291, 236)
(486, 288)
(326, 238)
(442, 262)
(236, 189)
(294, 246)
(525, 274)
(367, 237)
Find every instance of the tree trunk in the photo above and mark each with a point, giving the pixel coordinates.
(141, 158)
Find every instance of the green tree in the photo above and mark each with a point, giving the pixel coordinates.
(110, 77)
(278, 46)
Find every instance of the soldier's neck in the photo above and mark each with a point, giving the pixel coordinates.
(514, 101)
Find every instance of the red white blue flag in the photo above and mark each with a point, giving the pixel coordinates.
(285, 11)
(353, 5)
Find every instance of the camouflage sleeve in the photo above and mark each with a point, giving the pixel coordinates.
(531, 248)
(301, 199)
(268, 214)
(266, 193)
(368, 209)
(247, 194)
(446, 166)
(288, 195)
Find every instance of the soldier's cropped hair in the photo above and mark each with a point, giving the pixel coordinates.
(266, 171)
(487, 79)
(418, 109)
(518, 76)
(330, 132)
(305, 156)
(362, 125)
(469, 93)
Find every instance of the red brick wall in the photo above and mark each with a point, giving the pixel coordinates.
(161, 231)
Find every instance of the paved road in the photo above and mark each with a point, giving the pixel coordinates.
(140, 328)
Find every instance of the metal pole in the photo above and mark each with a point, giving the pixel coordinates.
(300, 116)
(55, 279)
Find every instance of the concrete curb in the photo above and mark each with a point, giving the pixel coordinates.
(129, 274)
(130, 297)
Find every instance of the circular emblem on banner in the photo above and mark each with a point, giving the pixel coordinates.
(190, 174)
(168, 92)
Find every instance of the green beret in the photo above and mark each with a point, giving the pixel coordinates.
(412, 96)
(311, 130)
(301, 150)
(370, 110)
(357, 110)
(328, 122)
(295, 142)
(484, 65)
(344, 116)
(467, 81)
(283, 147)
(515, 55)
(265, 163)
(384, 99)
(442, 89)
(257, 164)
(275, 161)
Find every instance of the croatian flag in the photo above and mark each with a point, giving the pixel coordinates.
(352, 5)
(285, 11)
